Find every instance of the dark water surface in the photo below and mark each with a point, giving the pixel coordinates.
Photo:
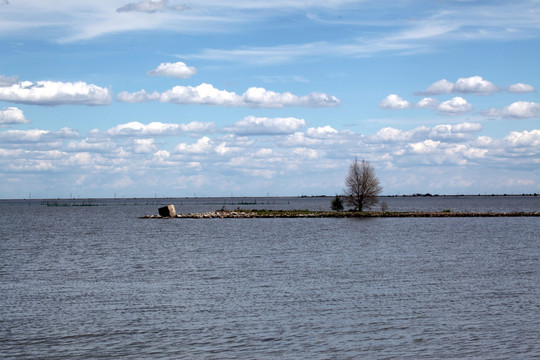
(98, 282)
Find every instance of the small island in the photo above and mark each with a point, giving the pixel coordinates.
(243, 214)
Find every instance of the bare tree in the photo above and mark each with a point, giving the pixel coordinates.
(362, 186)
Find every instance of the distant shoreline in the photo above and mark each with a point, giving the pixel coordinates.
(250, 214)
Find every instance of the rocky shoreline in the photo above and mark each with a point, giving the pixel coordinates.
(243, 214)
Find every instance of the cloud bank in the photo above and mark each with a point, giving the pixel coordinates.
(472, 85)
(206, 94)
(55, 93)
(155, 128)
(145, 153)
(252, 125)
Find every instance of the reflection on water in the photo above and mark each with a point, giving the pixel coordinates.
(96, 281)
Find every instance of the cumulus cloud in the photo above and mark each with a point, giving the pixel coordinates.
(149, 6)
(144, 146)
(445, 132)
(55, 93)
(198, 127)
(394, 102)
(428, 103)
(177, 70)
(321, 132)
(137, 96)
(471, 85)
(252, 125)
(474, 85)
(11, 116)
(454, 132)
(155, 128)
(389, 134)
(517, 110)
(424, 147)
(455, 106)
(524, 139)
(206, 94)
(520, 88)
(202, 146)
(437, 88)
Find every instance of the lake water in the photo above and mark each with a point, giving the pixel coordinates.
(98, 282)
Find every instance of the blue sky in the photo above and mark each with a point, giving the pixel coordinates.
(256, 98)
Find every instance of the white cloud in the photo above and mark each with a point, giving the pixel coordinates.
(474, 85)
(455, 106)
(425, 147)
(321, 132)
(177, 70)
(12, 115)
(389, 134)
(37, 135)
(466, 127)
(202, 146)
(394, 102)
(457, 132)
(252, 125)
(437, 88)
(427, 103)
(144, 146)
(55, 93)
(206, 94)
(198, 127)
(137, 97)
(483, 141)
(162, 155)
(520, 88)
(307, 153)
(517, 110)
(454, 132)
(471, 85)
(155, 128)
(475, 153)
(524, 139)
(223, 149)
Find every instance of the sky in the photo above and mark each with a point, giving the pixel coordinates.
(267, 98)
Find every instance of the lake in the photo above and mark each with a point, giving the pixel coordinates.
(99, 282)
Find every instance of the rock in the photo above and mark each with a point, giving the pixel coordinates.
(167, 211)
